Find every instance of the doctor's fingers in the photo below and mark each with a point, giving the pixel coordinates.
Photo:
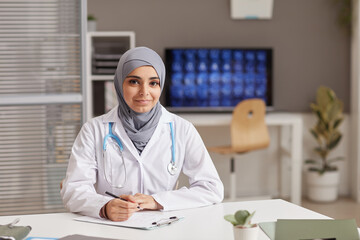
(129, 198)
(117, 212)
(121, 204)
(119, 216)
(145, 201)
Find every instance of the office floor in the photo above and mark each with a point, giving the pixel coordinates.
(343, 208)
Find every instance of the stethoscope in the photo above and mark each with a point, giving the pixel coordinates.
(171, 167)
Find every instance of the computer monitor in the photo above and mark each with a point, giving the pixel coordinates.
(216, 79)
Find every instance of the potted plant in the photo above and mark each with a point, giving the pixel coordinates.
(91, 23)
(243, 228)
(322, 175)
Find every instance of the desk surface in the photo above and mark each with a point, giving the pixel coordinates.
(200, 223)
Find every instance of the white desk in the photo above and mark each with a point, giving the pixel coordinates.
(200, 223)
(272, 119)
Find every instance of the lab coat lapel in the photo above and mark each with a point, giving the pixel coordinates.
(158, 134)
(159, 131)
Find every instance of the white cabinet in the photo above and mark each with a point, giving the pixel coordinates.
(103, 51)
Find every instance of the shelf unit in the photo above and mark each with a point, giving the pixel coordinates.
(103, 50)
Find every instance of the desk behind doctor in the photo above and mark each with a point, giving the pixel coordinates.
(282, 120)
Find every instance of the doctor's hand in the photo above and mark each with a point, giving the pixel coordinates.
(146, 201)
(120, 210)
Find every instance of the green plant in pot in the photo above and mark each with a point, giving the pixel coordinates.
(243, 228)
(322, 173)
(91, 17)
(91, 22)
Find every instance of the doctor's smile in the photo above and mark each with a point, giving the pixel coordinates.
(108, 154)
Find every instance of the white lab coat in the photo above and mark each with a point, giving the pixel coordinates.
(85, 185)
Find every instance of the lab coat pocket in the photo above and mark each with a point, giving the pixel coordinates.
(114, 166)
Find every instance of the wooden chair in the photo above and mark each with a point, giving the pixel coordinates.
(248, 133)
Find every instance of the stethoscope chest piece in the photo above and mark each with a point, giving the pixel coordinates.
(171, 168)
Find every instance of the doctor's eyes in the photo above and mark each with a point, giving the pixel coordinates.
(134, 82)
(152, 83)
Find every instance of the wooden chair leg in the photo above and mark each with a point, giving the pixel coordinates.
(232, 179)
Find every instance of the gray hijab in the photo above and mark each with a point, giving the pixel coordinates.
(139, 126)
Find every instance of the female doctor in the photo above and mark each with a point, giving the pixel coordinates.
(137, 151)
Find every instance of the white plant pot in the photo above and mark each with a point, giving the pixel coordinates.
(91, 26)
(246, 233)
(322, 187)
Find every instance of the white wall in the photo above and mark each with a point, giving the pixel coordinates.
(257, 172)
(355, 101)
(310, 48)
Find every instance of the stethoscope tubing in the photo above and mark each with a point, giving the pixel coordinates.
(111, 135)
(171, 166)
(173, 143)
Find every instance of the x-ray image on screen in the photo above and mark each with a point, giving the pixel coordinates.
(217, 78)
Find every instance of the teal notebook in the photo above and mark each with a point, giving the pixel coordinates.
(309, 229)
(269, 229)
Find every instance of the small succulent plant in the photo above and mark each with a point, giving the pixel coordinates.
(241, 218)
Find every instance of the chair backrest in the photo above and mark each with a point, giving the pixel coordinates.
(248, 127)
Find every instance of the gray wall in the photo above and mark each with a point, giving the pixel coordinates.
(310, 48)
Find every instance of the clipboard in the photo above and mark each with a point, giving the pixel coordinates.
(146, 220)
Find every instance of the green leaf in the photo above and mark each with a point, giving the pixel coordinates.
(331, 160)
(333, 111)
(314, 107)
(318, 113)
(230, 218)
(336, 110)
(248, 219)
(330, 93)
(314, 133)
(320, 128)
(334, 142)
(323, 97)
(327, 126)
(322, 152)
(241, 216)
(318, 149)
(314, 169)
(310, 161)
(337, 123)
(329, 168)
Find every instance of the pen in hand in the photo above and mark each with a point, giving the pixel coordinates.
(114, 196)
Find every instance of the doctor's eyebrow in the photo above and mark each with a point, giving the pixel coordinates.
(137, 77)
